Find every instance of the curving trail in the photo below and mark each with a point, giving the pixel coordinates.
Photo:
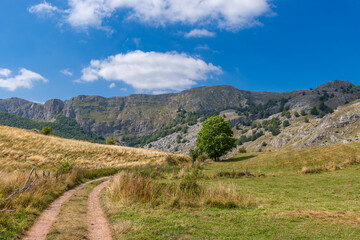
(43, 224)
(98, 224)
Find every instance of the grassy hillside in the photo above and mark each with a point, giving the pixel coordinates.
(63, 127)
(259, 196)
(22, 150)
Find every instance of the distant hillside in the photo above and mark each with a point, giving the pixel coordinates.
(139, 120)
(62, 127)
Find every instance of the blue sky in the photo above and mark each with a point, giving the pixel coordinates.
(64, 48)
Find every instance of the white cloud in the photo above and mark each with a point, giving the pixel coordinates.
(66, 72)
(24, 79)
(226, 14)
(202, 47)
(151, 71)
(43, 9)
(199, 33)
(137, 41)
(112, 85)
(4, 72)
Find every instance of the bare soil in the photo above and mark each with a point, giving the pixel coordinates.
(98, 224)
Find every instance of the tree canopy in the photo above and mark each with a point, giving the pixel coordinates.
(215, 137)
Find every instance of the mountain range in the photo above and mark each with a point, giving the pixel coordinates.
(149, 120)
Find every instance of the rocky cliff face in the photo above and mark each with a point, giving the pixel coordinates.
(146, 114)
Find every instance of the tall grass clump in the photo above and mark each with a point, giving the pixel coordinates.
(129, 188)
(351, 161)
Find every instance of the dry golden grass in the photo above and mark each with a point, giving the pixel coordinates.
(331, 166)
(23, 149)
(129, 188)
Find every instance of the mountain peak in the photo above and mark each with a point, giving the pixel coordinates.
(335, 85)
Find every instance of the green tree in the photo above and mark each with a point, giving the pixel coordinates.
(303, 113)
(215, 137)
(286, 123)
(46, 130)
(314, 111)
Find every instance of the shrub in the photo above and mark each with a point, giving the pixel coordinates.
(110, 142)
(314, 111)
(194, 154)
(46, 130)
(286, 123)
(201, 158)
(242, 150)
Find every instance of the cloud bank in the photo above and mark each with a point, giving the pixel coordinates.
(24, 79)
(225, 14)
(151, 71)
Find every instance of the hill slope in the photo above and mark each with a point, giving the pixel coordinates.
(21, 149)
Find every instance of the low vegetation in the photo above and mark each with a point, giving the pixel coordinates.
(130, 187)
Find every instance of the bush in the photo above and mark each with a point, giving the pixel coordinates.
(242, 150)
(201, 158)
(303, 113)
(46, 130)
(314, 111)
(194, 154)
(110, 142)
(286, 123)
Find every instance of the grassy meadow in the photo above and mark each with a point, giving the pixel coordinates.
(257, 196)
(309, 193)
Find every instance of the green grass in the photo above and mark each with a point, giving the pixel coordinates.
(289, 161)
(289, 205)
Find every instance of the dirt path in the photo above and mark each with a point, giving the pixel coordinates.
(98, 224)
(43, 224)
